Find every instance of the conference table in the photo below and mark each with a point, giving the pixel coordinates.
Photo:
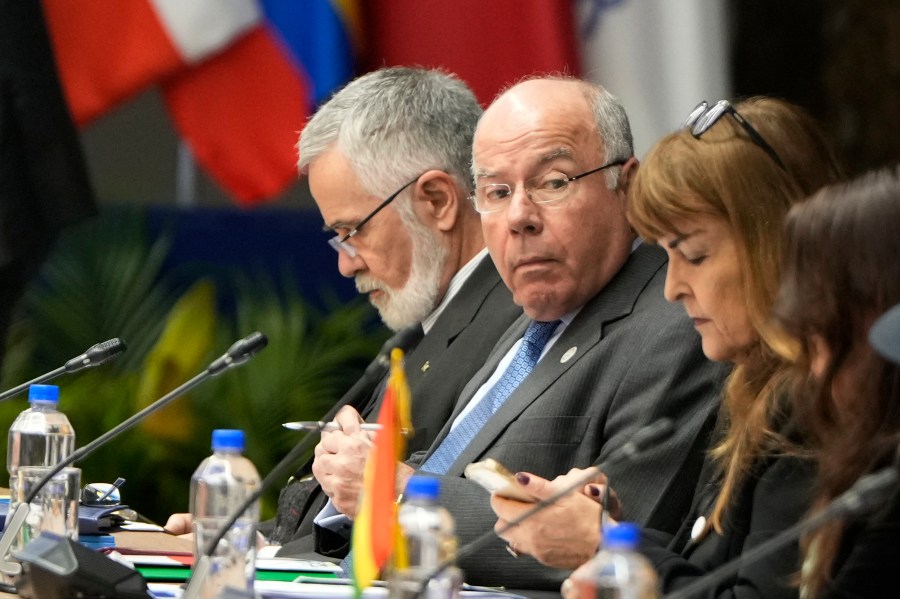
(150, 541)
(158, 543)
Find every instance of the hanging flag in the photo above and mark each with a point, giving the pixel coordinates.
(660, 58)
(108, 52)
(233, 77)
(375, 530)
(489, 45)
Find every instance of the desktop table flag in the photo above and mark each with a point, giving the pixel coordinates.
(375, 531)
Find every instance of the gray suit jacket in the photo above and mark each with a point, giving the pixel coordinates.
(632, 358)
(437, 369)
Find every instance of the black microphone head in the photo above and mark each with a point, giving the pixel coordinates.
(246, 347)
(96, 354)
(239, 352)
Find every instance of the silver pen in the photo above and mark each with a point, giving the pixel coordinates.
(325, 427)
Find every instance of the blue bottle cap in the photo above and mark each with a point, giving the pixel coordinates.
(423, 487)
(224, 439)
(624, 535)
(49, 393)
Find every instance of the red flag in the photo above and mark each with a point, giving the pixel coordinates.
(488, 44)
(240, 112)
(107, 53)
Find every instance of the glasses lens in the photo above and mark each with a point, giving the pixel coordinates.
(493, 197)
(695, 114)
(342, 246)
(709, 118)
(550, 187)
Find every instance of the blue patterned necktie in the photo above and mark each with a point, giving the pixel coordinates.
(536, 336)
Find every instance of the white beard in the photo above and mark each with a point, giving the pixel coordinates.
(411, 304)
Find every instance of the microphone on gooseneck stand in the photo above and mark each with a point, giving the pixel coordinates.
(237, 354)
(866, 494)
(93, 356)
(641, 441)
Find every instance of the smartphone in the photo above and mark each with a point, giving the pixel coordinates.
(491, 475)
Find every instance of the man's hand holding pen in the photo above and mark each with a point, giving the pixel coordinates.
(340, 459)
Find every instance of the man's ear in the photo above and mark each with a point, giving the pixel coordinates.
(626, 176)
(438, 199)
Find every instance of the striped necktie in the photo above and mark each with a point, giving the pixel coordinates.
(536, 336)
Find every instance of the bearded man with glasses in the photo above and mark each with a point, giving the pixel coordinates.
(388, 159)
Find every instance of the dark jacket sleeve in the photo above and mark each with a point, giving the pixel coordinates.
(774, 501)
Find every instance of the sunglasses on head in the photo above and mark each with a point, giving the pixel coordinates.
(703, 117)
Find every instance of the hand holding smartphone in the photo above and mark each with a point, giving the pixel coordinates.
(491, 475)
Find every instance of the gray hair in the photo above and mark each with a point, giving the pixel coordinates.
(393, 125)
(612, 126)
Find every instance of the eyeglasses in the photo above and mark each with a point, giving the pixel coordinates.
(340, 244)
(548, 188)
(703, 117)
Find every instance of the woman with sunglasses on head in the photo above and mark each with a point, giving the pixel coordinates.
(714, 194)
(841, 272)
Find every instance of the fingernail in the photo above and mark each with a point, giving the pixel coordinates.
(597, 491)
(522, 478)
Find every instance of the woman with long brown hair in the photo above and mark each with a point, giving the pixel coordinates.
(841, 271)
(715, 195)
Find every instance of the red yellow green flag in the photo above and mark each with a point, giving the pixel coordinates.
(375, 530)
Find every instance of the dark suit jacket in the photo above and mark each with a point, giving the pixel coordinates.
(438, 368)
(627, 359)
(775, 496)
(455, 347)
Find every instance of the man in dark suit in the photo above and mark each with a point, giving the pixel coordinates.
(388, 160)
(552, 161)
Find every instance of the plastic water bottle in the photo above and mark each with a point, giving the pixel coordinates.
(430, 539)
(219, 486)
(618, 571)
(40, 435)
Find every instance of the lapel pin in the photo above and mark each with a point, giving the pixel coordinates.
(568, 355)
(426, 366)
(699, 530)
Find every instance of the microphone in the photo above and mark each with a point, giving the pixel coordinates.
(866, 494)
(640, 442)
(241, 351)
(92, 356)
(236, 355)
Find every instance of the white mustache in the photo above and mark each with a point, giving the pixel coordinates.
(366, 284)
